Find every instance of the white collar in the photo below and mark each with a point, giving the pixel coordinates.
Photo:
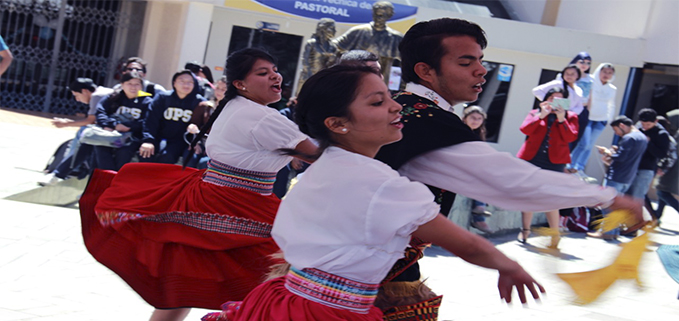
(428, 93)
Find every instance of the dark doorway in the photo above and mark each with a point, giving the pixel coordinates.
(493, 98)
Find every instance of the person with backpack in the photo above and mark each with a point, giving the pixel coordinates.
(667, 188)
(123, 111)
(84, 91)
(657, 147)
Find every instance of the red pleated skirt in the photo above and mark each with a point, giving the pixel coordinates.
(272, 301)
(175, 239)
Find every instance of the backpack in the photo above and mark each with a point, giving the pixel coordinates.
(151, 89)
(665, 163)
(578, 220)
(58, 156)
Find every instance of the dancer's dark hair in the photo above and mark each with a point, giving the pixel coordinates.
(238, 65)
(328, 93)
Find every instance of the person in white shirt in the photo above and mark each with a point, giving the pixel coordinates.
(349, 218)
(601, 108)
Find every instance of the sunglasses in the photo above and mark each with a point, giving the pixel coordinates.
(584, 62)
(134, 69)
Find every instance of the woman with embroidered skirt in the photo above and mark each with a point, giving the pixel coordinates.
(350, 217)
(195, 238)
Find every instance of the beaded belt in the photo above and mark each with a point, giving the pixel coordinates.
(224, 175)
(331, 290)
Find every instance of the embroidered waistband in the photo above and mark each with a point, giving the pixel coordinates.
(331, 290)
(224, 175)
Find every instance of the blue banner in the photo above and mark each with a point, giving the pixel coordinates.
(344, 11)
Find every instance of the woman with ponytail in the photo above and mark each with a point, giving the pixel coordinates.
(186, 238)
(351, 217)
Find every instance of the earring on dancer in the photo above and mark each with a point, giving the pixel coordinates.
(344, 130)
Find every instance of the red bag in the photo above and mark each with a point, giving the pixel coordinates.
(578, 220)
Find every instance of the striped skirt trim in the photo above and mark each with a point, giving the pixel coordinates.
(224, 175)
(209, 222)
(331, 290)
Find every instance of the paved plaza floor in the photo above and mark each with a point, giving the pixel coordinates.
(47, 274)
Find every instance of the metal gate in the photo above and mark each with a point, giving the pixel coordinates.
(53, 42)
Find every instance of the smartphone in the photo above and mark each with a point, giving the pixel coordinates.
(564, 103)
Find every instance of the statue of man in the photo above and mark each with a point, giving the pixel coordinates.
(319, 51)
(375, 37)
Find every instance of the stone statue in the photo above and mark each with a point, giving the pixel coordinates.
(375, 37)
(319, 51)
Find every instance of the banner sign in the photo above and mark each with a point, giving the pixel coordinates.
(343, 11)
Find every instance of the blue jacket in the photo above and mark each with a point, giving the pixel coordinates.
(626, 159)
(169, 116)
(129, 112)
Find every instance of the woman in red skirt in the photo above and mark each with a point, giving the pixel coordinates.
(350, 217)
(186, 238)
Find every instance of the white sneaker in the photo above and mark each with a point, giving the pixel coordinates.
(49, 180)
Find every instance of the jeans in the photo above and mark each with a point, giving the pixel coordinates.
(621, 188)
(665, 198)
(477, 217)
(590, 134)
(641, 183)
(109, 158)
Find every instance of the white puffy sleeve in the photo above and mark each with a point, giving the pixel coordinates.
(397, 209)
(275, 131)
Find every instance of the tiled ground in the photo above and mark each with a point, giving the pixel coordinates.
(47, 274)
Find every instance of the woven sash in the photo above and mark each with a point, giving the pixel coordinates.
(331, 290)
(224, 175)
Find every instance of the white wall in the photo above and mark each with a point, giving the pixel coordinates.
(622, 18)
(195, 34)
(162, 39)
(654, 21)
(662, 33)
(526, 11)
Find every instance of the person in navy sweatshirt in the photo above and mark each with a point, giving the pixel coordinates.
(123, 110)
(168, 117)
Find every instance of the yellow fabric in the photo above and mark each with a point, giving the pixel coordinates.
(614, 219)
(588, 286)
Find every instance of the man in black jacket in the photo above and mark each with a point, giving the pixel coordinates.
(658, 144)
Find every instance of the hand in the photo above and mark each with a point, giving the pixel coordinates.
(634, 206)
(291, 102)
(146, 150)
(193, 129)
(518, 278)
(603, 150)
(296, 164)
(560, 114)
(197, 149)
(659, 172)
(545, 109)
(122, 128)
(61, 122)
